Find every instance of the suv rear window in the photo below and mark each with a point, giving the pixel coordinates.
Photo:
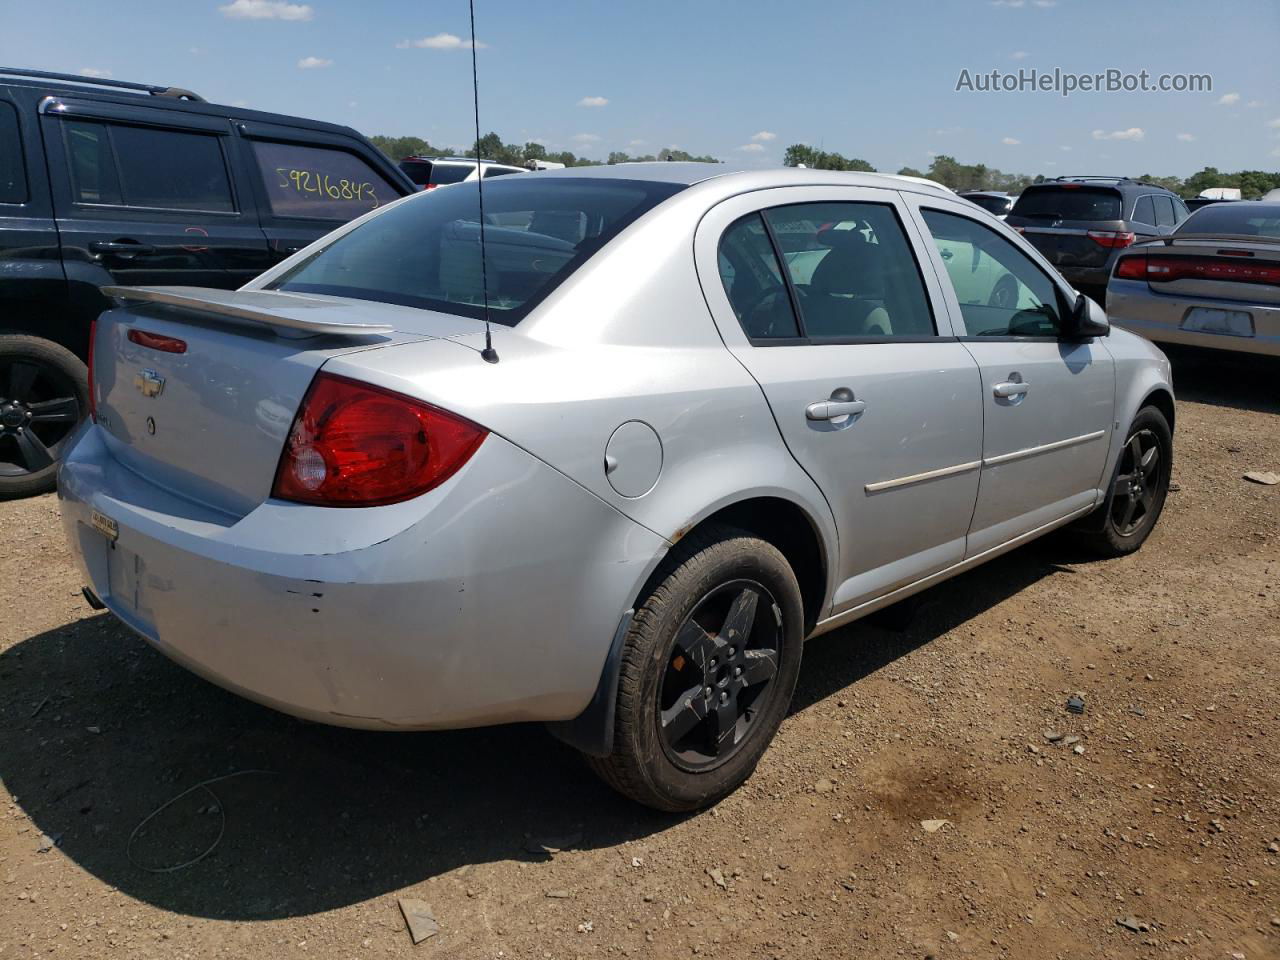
(319, 183)
(425, 252)
(1068, 203)
(13, 173)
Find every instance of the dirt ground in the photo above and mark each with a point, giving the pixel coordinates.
(1156, 834)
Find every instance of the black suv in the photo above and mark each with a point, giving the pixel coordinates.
(1081, 224)
(102, 182)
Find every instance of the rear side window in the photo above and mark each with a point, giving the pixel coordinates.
(426, 252)
(1144, 211)
(13, 172)
(753, 281)
(147, 167)
(1068, 203)
(852, 270)
(1164, 211)
(1002, 293)
(319, 183)
(417, 170)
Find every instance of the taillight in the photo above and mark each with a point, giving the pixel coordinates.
(157, 341)
(356, 445)
(1168, 269)
(93, 394)
(1132, 268)
(430, 186)
(1111, 238)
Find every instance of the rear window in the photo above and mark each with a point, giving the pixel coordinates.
(425, 252)
(996, 205)
(1239, 218)
(1068, 203)
(442, 173)
(319, 183)
(419, 171)
(13, 173)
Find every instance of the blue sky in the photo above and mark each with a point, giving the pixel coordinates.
(740, 80)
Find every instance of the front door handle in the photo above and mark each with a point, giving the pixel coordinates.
(1010, 388)
(834, 409)
(123, 248)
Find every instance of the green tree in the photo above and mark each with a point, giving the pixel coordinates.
(910, 172)
(799, 154)
(397, 148)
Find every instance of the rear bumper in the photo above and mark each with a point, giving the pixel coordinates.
(491, 599)
(1132, 304)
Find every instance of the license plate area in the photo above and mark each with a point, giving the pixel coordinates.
(1222, 323)
(105, 525)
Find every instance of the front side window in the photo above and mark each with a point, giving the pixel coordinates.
(852, 271)
(753, 281)
(319, 183)
(425, 252)
(13, 172)
(1001, 291)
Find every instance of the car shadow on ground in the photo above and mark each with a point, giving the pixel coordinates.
(1225, 379)
(97, 731)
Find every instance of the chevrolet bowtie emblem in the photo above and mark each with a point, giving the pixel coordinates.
(149, 383)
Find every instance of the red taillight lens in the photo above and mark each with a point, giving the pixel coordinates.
(157, 341)
(430, 186)
(357, 445)
(1111, 238)
(1132, 268)
(93, 394)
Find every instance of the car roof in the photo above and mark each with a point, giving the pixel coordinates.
(425, 159)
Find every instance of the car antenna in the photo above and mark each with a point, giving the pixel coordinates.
(488, 354)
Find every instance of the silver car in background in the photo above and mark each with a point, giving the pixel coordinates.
(1214, 282)
(723, 412)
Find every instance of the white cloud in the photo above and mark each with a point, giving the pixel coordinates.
(1133, 133)
(1019, 55)
(764, 136)
(593, 102)
(1276, 152)
(1065, 149)
(1186, 137)
(1228, 99)
(1273, 124)
(1051, 163)
(752, 148)
(1044, 4)
(585, 138)
(266, 10)
(1011, 141)
(314, 63)
(441, 41)
(636, 143)
(94, 72)
(1008, 3)
(1253, 103)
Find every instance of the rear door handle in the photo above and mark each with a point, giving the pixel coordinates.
(834, 409)
(1010, 388)
(121, 247)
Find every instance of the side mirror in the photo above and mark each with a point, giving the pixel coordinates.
(1087, 320)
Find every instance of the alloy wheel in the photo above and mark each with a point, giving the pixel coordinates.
(1137, 483)
(38, 411)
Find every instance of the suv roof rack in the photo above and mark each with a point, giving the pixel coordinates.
(1089, 179)
(178, 93)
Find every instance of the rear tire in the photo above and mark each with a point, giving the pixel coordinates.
(705, 682)
(1136, 495)
(44, 394)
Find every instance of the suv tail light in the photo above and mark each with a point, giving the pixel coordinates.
(1111, 239)
(1168, 269)
(356, 445)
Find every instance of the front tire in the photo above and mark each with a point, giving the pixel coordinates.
(708, 669)
(1138, 489)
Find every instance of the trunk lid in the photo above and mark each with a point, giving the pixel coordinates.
(209, 423)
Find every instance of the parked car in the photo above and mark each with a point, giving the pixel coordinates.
(723, 412)
(104, 181)
(1195, 203)
(994, 202)
(1215, 282)
(427, 173)
(1081, 224)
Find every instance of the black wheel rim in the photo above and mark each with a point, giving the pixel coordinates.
(1137, 483)
(719, 676)
(39, 408)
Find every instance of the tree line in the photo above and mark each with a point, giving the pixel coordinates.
(491, 147)
(978, 176)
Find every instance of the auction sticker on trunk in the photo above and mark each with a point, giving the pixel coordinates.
(104, 525)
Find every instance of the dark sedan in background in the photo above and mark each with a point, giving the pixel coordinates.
(1214, 282)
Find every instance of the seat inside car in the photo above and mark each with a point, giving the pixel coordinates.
(845, 297)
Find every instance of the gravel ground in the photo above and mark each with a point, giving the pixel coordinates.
(1155, 833)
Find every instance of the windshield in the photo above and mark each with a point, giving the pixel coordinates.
(425, 252)
(1239, 218)
(1068, 203)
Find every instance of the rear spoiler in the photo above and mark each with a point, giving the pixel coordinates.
(289, 314)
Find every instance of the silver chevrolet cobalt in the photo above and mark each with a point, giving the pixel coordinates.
(721, 413)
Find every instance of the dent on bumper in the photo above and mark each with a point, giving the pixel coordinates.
(488, 600)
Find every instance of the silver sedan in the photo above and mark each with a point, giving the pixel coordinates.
(611, 476)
